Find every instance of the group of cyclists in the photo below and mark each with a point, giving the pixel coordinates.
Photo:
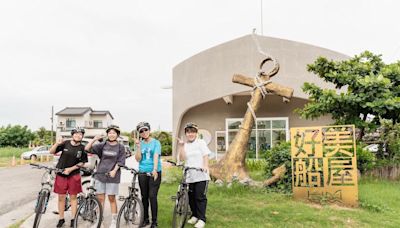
(112, 156)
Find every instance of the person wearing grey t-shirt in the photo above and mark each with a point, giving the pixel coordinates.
(195, 153)
(112, 156)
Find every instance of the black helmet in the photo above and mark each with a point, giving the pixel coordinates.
(113, 127)
(191, 125)
(77, 130)
(142, 125)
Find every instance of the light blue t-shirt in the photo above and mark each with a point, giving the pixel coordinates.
(148, 151)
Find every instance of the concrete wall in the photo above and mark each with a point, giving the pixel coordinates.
(207, 75)
(211, 115)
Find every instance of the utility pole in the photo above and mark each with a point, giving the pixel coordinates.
(52, 121)
(262, 32)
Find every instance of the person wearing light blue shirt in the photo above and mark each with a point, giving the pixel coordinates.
(149, 157)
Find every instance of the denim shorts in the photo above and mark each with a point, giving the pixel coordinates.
(106, 188)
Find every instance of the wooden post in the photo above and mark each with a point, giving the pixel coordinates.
(13, 161)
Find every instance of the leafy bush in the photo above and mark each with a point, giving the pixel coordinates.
(256, 164)
(275, 157)
(365, 159)
(165, 139)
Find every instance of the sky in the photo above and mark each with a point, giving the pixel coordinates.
(117, 55)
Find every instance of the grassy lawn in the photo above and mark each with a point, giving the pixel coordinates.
(241, 206)
(6, 154)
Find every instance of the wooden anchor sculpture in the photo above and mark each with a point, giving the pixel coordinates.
(232, 164)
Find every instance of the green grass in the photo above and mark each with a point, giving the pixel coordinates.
(6, 154)
(10, 151)
(241, 206)
(17, 224)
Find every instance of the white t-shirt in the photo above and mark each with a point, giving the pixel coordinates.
(194, 153)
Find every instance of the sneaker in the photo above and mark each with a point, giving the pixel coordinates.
(192, 220)
(60, 223)
(153, 225)
(113, 223)
(145, 223)
(72, 223)
(200, 224)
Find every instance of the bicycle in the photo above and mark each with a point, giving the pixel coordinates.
(131, 213)
(90, 211)
(181, 207)
(44, 193)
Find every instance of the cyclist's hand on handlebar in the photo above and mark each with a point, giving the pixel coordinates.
(67, 171)
(112, 173)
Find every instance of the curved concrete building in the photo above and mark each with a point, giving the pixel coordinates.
(203, 91)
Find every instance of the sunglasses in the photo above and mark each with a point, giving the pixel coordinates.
(143, 130)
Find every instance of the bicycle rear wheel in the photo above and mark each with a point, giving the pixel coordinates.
(131, 213)
(89, 214)
(40, 208)
(181, 210)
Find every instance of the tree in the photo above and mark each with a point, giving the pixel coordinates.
(43, 137)
(165, 139)
(16, 136)
(372, 87)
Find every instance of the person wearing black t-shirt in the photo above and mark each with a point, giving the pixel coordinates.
(73, 157)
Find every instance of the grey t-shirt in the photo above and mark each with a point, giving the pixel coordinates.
(109, 155)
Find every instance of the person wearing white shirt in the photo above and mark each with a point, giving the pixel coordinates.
(195, 153)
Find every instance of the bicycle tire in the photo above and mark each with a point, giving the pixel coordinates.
(39, 210)
(85, 213)
(124, 219)
(181, 210)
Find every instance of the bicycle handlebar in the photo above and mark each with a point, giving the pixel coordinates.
(57, 170)
(133, 170)
(185, 167)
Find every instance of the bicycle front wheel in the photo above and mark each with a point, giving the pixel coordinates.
(40, 208)
(89, 214)
(181, 210)
(131, 213)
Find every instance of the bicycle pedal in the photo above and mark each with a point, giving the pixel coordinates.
(121, 198)
(173, 198)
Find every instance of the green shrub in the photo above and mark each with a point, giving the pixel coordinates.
(365, 159)
(275, 157)
(256, 164)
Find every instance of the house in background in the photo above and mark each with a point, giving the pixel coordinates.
(94, 122)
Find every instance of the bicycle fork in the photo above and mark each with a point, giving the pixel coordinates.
(46, 193)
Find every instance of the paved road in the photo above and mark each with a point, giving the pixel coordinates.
(50, 220)
(19, 185)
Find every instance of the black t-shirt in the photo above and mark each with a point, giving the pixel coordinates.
(70, 156)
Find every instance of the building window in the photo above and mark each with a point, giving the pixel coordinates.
(71, 123)
(266, 133)
(98, 124)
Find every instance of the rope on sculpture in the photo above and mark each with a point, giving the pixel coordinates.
(258, 81)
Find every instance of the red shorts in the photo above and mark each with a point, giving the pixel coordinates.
(71, 184)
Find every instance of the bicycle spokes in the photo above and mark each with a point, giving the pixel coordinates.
(89, 214)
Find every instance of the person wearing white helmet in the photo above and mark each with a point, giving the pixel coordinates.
(195, 153)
